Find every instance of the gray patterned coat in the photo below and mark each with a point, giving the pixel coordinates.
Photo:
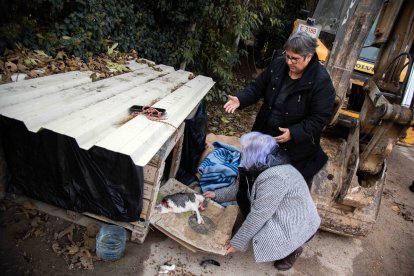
(283, 215)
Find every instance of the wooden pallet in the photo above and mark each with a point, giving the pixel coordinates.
(154, 171)
(154, 177)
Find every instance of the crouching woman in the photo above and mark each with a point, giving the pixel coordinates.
(282, 214)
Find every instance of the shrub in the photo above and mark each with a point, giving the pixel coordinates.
(200, 35)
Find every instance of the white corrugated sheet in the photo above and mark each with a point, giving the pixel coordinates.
(71, 104)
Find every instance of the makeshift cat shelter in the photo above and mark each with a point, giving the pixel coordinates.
(72, 144)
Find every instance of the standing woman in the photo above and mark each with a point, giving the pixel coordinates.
(282, 215)
(298, 100)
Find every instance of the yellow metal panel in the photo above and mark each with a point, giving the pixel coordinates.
(322, 51)
(409, 136)
(357, 82)
(350, 113)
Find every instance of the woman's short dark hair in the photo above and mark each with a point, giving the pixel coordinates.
(301, 43)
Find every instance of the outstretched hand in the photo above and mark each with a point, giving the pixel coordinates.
(230, 249)
(209, 194)
(285, 137)
(232, 104)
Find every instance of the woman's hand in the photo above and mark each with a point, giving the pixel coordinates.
(232, 104)
(230, 249)
(209, 194)
(285, 137)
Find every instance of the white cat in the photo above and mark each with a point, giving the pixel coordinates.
(182, 202)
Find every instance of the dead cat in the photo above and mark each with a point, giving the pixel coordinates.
(182, 202)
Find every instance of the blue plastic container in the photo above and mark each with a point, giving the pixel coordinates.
(110, 242)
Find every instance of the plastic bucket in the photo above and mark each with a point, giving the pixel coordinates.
(110, 242)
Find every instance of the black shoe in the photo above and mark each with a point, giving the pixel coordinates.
(412, 187)
(287, 262)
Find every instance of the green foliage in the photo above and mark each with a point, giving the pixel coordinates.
(202, 35)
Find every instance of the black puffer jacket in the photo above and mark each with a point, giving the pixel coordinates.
(307, 110)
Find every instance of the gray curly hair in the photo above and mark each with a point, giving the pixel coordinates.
(301, 43)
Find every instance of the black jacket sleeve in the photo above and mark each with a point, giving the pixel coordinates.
(255, 90)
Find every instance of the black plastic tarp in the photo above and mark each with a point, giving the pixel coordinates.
(51, 167)
(195, 133)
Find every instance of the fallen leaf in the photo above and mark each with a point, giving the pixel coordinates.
(41, 53)
(11, 67)
(86, 259)
(84, 67)
(92, 229)
(56, 248)
(116, 67)
(21, 67)
(60, 65)
(395, 208)
(27, 235)
(224, 120)
(68, 231)
(94, 77)
(89, 242)
(38, 232)
(32, 61)
(32, 212)
(72, 249)
(35, 221)
(112, 48)
(61, 55)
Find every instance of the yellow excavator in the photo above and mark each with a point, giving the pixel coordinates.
(373, 107)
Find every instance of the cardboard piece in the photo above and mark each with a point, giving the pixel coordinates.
(210, 237)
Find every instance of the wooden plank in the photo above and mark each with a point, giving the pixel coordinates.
(18, 92)
(155, 189)
(176, 157)
(57, 212)
(154, 174)
(165, 150)
(145, 205)
(138, 229)
(139, 234)
(148, 191)
(126, 225)
(150, 173)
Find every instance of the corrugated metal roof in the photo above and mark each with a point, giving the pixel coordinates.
(71, 104)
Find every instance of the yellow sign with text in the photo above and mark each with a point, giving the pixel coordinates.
(365, 67)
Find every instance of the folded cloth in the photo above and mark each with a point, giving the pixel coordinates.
(220, 168)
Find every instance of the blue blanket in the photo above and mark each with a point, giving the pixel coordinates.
(219, 168)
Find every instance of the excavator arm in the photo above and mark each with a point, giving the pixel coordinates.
(348, 189)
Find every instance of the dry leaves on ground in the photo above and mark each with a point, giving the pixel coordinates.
(230, 124)
(36, 63)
